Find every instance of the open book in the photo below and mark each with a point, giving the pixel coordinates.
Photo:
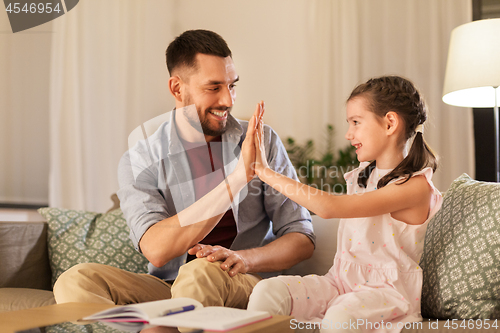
(179, 312)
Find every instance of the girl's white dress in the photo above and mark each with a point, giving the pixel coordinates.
(375, 275)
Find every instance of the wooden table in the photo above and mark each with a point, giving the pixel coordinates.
(13, 321)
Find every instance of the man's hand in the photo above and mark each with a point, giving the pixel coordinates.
(232, 261)
(248, 147)
(260, 164)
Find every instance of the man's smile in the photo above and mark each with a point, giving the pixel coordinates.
(221, 115)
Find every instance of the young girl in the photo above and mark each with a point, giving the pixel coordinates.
(375, 281)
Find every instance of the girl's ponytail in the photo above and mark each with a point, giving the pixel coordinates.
(419, 157)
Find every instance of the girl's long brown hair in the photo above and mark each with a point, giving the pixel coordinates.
(397, 94)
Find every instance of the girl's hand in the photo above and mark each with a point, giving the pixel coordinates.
(260, 150)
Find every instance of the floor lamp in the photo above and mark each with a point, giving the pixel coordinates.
(473, 71)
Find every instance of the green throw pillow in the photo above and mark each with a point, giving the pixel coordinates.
(76, 237)
(461, 259)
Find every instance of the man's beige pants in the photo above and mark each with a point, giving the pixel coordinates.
(199, 279)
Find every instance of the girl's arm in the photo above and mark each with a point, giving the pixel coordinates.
(414, 194)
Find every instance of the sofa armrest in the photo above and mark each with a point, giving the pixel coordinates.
(24, 258)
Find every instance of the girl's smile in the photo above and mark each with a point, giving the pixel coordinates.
(366, 131)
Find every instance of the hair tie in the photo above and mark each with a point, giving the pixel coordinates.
(420, 128)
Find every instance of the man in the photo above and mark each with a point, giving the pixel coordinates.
(207, 233)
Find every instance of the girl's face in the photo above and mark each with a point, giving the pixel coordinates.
(366, 132)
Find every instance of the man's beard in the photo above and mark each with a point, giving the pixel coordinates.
(206, 127)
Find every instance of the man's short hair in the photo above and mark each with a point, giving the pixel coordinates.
(183, 49)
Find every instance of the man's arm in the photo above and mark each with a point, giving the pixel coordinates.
(171, 238)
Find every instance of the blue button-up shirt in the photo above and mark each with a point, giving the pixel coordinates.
(155, 183)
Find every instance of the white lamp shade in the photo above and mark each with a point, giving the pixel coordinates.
(473, 67)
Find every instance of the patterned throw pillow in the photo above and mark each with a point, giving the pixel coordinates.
(72, 327)
(461, 259)
(76, 237)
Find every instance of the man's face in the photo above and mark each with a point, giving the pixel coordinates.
(211, 88)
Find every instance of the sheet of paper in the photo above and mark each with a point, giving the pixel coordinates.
(212, 318)
(145, 311)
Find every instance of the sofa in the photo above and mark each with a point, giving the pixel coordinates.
(461, 259)
(26, 275)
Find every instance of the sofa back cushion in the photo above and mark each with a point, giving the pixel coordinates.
(461, 259)
(76, 237)
(23, 255)
(326, 245)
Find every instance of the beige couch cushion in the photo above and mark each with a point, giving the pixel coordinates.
(24, 298)
(326, 246)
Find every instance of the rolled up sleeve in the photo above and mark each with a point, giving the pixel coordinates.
(141, 200)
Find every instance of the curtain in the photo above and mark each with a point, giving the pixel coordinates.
(24, 104)
(303, 57)
(108, 76)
